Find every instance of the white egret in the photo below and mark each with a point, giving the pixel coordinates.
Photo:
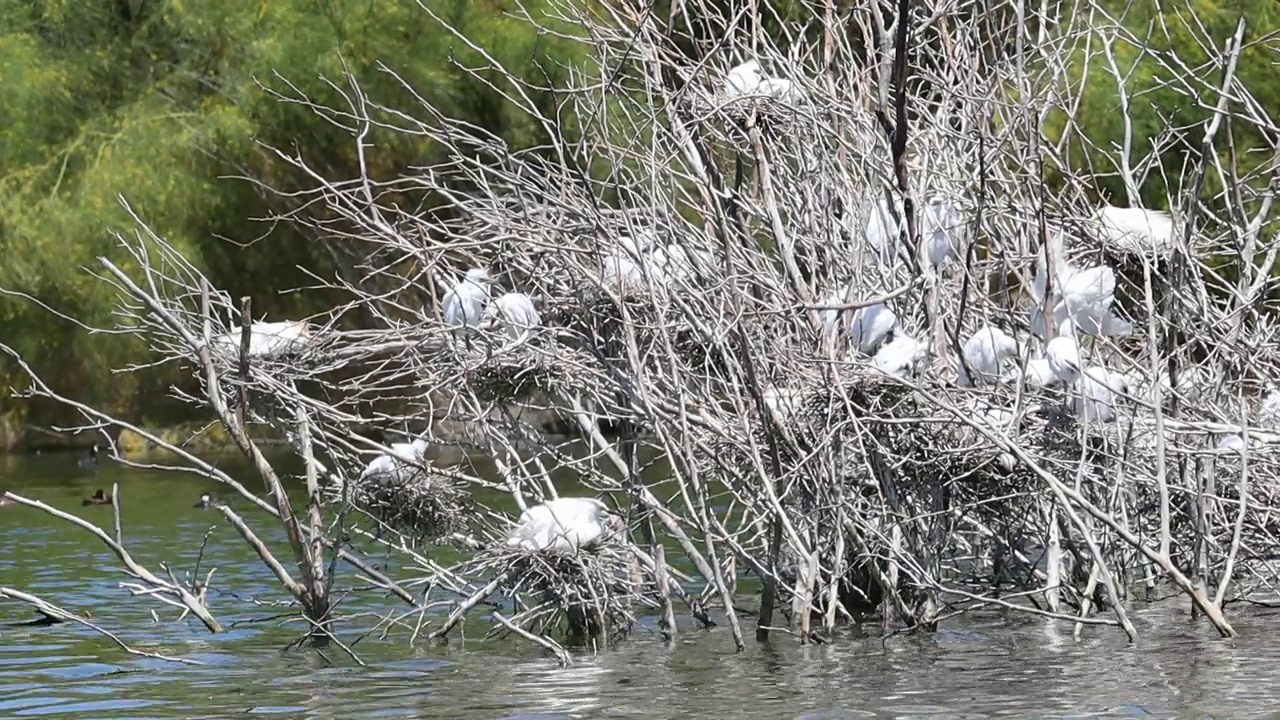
(1063, 356)
(903, 356)
(984, 352)
(563, 525)
(744, 79)
(869, 327)
(942, 231)
(390, 468)
(514, 313)
(623, 270)
(1084, 297)
(465, 302)
(266, 339)
(1099, 390)
(1135, 230)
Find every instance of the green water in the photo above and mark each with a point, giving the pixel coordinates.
(977, 666)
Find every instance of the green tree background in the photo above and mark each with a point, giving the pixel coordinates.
(158, 101)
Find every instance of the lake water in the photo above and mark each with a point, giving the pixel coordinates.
(978, 666)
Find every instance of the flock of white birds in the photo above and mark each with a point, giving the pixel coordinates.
(1080, 302)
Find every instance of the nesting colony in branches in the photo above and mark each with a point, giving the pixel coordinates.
(892, 371)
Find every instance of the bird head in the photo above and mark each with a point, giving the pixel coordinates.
(479, 276)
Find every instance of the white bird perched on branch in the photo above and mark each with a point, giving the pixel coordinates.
(902, 356)
(1232, 443)
(514, 313)
(984, 352)
(563, 525)
(464, 303)
(1099, 391)
(1135, 230)
(388, 468)
(266, 339)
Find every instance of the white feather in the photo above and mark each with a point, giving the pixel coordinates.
(1269, 410)
(1135, 230)
(561, 525)
(1099, 390)
(903, 356)
(1063, 355)
(869, 326)
(515, 314)
(984, 353)
(266, 339)
(386, 469)
(465, 302)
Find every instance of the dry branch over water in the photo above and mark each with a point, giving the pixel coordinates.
(900, 360)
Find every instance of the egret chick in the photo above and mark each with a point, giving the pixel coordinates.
(1135, 230)
(744, 79)
(984, 352)
(1099, 390)
(563, 525)
(465, 302)
(388, 468)
(870, 326)
(515, 314)
(748, 79)
(903, 356)
(882, 231)
(786, 402)
(1063, 356)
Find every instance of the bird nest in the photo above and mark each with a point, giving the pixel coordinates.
(771, 114)
(422, 505)
(601, 320)
(587, 596)
(520, 372)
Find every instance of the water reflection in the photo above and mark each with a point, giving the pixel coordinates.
(980, 666)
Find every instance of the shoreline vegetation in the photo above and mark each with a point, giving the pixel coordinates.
(920, 312)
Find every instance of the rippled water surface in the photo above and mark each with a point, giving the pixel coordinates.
(977, 667)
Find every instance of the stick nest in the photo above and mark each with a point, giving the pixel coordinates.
(422, 505)
(585, 596)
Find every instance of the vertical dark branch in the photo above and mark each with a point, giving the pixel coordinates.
(246, 322)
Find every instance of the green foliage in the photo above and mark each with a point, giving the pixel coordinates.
(1199, 40)
(158, 101)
